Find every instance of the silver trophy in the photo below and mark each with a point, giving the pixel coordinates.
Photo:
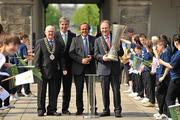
(117, 33)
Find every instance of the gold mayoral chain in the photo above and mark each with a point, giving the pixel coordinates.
(52, 57)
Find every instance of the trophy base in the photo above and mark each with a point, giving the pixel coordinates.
(112, 57)
(89, 116)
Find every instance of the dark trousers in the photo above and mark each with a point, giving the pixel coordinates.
(52, 94)
(67, 83)
(115, 84)
(13, 90)
(79, 83)
(26, 88)
(140, 85)
(173, 92)
(135, 82)
(126, 69)
(161, 92)
(145, 80)
(149, 86)
(5, 85)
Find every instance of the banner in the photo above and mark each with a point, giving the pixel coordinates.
(136, 65)
(24, 78)
(3, 93)
(155, 65)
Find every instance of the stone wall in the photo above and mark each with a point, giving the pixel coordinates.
(133, 13)
(16, 18)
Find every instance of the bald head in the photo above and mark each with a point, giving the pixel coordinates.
(49, 32)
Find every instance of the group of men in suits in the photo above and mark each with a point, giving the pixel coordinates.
(61, 55)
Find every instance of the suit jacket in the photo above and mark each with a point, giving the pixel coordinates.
(49, 68)
(76, 52)
(109, 67)
(66, 47)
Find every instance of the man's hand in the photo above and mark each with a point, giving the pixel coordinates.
(105, 58)
(85, 61)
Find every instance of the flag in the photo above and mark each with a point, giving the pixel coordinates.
(3, 93)
(175, 111)
(137, 64)
(155, 65)
(24, 78)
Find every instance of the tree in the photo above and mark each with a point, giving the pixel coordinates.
(88, 13)
(52, 16)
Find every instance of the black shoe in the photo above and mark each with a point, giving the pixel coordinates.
(79, 112)
(40, 113)
(20, 95)
(53, 114)
(118, 114)
(96, 113)
(66, 112)
(104, 114)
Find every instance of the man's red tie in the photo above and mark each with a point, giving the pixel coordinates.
(108, 42)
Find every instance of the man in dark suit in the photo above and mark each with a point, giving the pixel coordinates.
(65, 37)
(82, 51)
(108, 71)
(48, 58)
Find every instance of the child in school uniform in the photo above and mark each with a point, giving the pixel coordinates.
(136, 73)
(162, 80)
(143, 40)
(173, 91)
(8, 46)
(149, 83)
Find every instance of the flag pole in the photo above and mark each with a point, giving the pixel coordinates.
(8, 78)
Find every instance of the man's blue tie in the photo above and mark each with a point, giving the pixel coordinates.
(51, 42)
(85, 47)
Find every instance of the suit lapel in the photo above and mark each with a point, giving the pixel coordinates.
(91, 42)
(61, 39)
(68, 39)
(104, 44)
(81, 42)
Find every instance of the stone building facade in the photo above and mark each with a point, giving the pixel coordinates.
(16, 17)
(151, 17)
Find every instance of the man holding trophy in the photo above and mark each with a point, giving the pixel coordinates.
(107, 52)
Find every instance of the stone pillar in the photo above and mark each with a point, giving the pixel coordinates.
(164, 17)
(133, 13)
(16, 16)
(38, 19)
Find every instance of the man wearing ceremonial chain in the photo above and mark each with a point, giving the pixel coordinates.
(48, 58)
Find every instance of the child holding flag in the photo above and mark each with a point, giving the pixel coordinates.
(8, 46)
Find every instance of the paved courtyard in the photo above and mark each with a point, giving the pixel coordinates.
(26, 108)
